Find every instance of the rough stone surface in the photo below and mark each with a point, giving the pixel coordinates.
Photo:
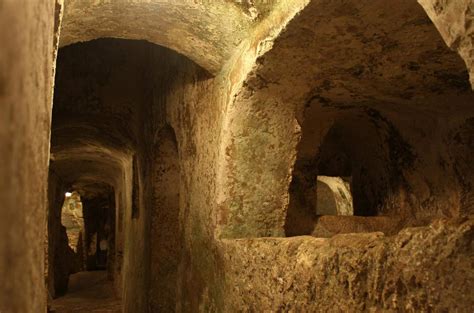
(328, 226)
(352, 58)
(166, 244)
(208, 31)
(455, 20)
(419, 270)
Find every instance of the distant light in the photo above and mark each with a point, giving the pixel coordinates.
(68, 194)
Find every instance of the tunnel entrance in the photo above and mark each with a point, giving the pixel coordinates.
(99, 215)
(86, 234)
(89, 224)
(72, 219)
(334, 196)
(82, 259)
(113, 143)
(347, 175)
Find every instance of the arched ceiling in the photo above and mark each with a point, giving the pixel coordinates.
(85, 164)
(92, 189)
(88, 173)
(87, 159)
(207, 32)
(91, 132)
(89, 177)
(75, 169)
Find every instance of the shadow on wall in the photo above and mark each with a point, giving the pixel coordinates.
(99, 215)
(460, 149)
(166, 233)
(65, 239)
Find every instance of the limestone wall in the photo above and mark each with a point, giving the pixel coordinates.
(165, 231)
(26, 67)
(419, 270)
(261, 130)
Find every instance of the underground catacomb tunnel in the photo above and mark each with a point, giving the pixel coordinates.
(237, 156)
(107, 105)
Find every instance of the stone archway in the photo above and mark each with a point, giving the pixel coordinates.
(334, 196)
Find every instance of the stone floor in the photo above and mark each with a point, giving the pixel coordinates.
(89, 292)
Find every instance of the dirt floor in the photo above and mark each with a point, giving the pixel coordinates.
(88, 292)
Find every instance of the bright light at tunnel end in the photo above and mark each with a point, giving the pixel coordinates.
(68, 194)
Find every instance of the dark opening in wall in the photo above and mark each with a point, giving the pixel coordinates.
(135, 189)
(352, 147)
(99, 214)
(348, 174)
(66, 230)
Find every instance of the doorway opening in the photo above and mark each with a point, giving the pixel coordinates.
(334, 196)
